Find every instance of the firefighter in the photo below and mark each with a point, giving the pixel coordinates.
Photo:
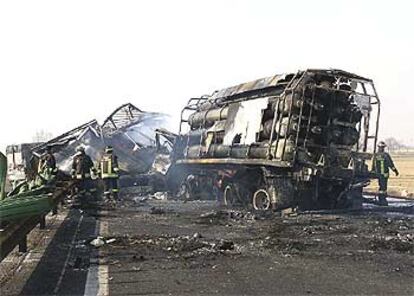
(82, 168)
(381, 165)
(47, 166)
(109, 173)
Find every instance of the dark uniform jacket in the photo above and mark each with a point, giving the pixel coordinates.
(382, 163)
(49, 161)
(82, 166)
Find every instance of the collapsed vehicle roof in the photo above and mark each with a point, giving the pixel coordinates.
(129, 130)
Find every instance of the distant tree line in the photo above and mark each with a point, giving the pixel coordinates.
(42, 136)
(394, 145)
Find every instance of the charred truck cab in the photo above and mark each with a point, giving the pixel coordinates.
(298, 139)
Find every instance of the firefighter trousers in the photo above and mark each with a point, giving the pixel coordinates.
(383, 187)
(86, 187)
(111, 187)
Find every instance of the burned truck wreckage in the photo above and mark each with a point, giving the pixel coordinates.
(298, 139)
(130, 131)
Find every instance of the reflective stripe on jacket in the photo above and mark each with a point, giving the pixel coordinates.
(382, 163)
(109, 166)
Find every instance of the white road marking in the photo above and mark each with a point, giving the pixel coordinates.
(97, 281)
(103, 272)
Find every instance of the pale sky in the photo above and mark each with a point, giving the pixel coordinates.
(63, 63)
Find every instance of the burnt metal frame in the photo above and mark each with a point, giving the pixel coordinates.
(290, 88)
(279, 118)
(366, 119)
(66, 137)
(377, 102)
(126, 120)
(190, 107)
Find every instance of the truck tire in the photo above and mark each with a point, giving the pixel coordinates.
(351, 199)
(230, 196)
(262, 200)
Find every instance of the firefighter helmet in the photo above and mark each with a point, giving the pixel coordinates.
(80, 149)
(108, 149)
(382, 144)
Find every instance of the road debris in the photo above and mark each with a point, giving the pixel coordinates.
(220, 216)
(101, 241)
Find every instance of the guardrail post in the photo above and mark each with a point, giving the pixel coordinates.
(23, 245)
(42, 223)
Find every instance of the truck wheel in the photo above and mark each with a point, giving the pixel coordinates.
(350, 200)
(262, 200)
(229, 196)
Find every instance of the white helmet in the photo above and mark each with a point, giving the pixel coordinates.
(382, 144)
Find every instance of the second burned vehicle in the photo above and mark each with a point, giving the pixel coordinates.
(286, 140)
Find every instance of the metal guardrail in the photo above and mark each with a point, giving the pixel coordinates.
(15, 233)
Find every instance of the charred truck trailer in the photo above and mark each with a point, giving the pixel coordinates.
(298, 139)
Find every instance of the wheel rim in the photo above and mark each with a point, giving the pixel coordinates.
(261, 200)
(229, 195)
